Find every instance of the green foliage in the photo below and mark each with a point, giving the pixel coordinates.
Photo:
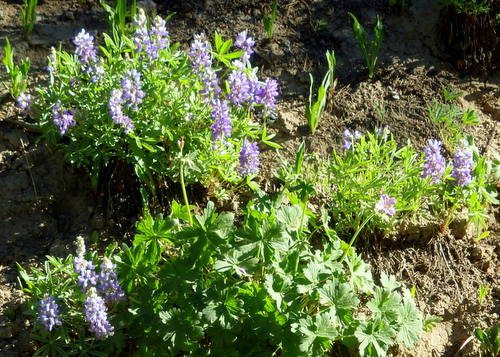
(119, 13)
(353, 182)
(369, 49)
(450, 120)
(28, 15)
(469, 7)
(490, 341)
(320, 25)
(173, 111)
(216, 288)
(18, 74)
(269, 20)
(315, 109)
(482, 292)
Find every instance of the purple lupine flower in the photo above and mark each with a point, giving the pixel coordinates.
(86, 274)
(349, 138)
(85, 49)
(386, 205)
(108, 282)
(52, 59)
(97, 315)
(62, 118)
(97, 73)
(201, 62)
(222, 126)
(199, 53)
(153, 40)
(132, 93)
(246, 44)
(23, 102)
(210, 83)
(116, 112)
(160, 33)
(267, 94)
(435, 163)
(142, 41)
(84, 268)
(249, 158)
(240, 87)
(462, 166)
(49, 313)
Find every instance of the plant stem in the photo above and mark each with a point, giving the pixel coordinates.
(353, 239)
(184, 193)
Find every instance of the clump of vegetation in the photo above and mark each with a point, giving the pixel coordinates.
(216, 288)
(142, 100)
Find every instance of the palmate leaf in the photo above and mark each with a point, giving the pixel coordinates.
(317, 332)
(290, 216)
(374, 337)
(222, 306)
(389, 282)
(410, 321)
(181, 329)
(385, 304)
(277, 286)
(339, 295)
(361, 275)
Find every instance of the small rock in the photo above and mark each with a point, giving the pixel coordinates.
(5, 332)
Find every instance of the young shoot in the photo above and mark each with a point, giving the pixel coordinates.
(369, 49)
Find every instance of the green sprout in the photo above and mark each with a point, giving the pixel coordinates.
(315, 109)
(482, 292)
(28, 15)
(369, 49)
(18, 74)
(269, 20)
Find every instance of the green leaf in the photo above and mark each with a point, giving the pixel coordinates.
(410, 322)
(317, 332)
(385, 304)
(389, 282)
(338, 294)
(374, 337)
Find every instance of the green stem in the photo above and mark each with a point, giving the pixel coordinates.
(184, 193)
(448, 218)
(353, 239)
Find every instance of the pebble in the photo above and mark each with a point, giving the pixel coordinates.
(5, 332)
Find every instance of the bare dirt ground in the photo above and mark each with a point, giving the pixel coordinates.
(45, 203)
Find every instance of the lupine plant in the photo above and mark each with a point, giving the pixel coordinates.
(18, 74)
(137, 97)
(315, 109)
(376, 185)
(28, 15)
(215, 288)
(369, 49)
(73, 303)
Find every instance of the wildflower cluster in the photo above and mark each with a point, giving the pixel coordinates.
(249, 158)
(62, 118)
(97, 291)
(134, 99)
(150, 40)
(23, 102)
